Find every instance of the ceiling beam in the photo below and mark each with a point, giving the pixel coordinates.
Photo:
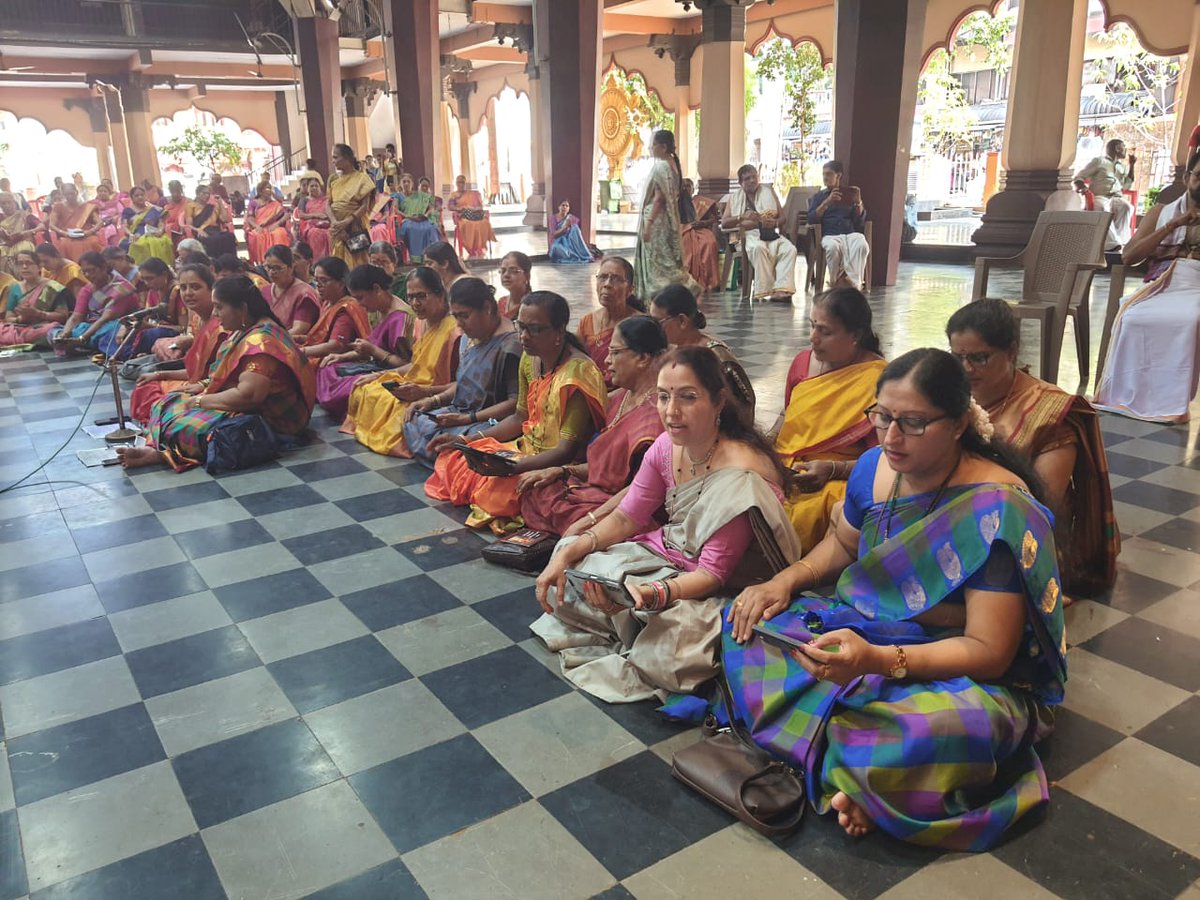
(475, 36)
(494, 53)
(501, 13)
(629, 24)
(760, 11)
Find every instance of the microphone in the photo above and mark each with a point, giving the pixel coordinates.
(139, 315)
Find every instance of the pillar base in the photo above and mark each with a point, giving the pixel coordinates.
(716, 188)
(535, 208)
(1012, 212)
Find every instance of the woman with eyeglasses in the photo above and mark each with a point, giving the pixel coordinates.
(914, 694)
(560, 406)
(515, 271)
(566, 499)
(821, 430)
(614, 290)
(389, 341)
(375, 414)
(294, 302)
(1060, 432)
(486, 379)
(343, 319)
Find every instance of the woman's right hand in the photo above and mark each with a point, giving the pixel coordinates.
(147, 377)
(537, 477)
(364, 348)
(192, 387)
(754, 604)
(418, 406)
(444, 443)
(554, 576)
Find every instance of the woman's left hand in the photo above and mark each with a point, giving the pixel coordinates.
(407, 392)
(331, 359)
(840, 656)
(595, 597)
(537, 478)
(812, 476)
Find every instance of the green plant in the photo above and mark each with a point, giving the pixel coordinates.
(802, 72)
(993, 34)
(945, 116)
(207, 147)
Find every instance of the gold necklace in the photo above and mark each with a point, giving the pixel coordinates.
(626, 405)
(694, 465)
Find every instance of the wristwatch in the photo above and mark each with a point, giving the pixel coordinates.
(900, 668)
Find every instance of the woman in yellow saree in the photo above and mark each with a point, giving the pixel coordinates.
(351, 197)
(375, 415)
(560, 406)
(823, 430)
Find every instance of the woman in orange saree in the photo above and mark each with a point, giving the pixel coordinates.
(560, 406)
(76, 225)
(472, 227)
(566, 499)
(199, 345)
(823, 431)
(1060, 433)
(312, 215)
(700, 255)
(258, 371)
(343, 319)
(266, 226)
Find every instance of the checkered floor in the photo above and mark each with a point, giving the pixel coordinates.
(302, 681)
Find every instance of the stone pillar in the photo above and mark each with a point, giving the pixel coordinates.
(462, 91)
(282, 121)
(1187, 103)
(878, 54)
(415, 64)
(98, 119)
(122, 169)
(135, 100)
(535, 205)
(567, 39)
(723, 96)
(359, 95)
(320, 72)
(1041, 126)
(493, 155)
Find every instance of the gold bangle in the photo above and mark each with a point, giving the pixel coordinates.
(591, 517)
(595, 540)
(809, 566)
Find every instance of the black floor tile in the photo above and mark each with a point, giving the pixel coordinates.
(1078, 850)
(281, 500)
(333, 543)
(1133, 592)
(12, 863)
(403, 476)
(68, 756)
(401, 601)
(150, 586)
(327, 468)
(392, 880)
(436, 791)
(56, 649)
(1181, 533)
(379, 504)
(222, 538)
(1152, 649)
(634, 814)
(1076, 740)
(436, 551)
(250, 771)
(491, 687)
(270, 594)
(202, 657)
(616, 892)
(511, 612)
(1177, 731)
(157, 874)
(323, 677)
(118, 534)
(29, 581)
(185, 495)
(1156, 497)
(642, 719)
(1132, 466)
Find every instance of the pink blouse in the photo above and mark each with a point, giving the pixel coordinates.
(647, 493)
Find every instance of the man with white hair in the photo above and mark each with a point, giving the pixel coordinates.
(755, 209)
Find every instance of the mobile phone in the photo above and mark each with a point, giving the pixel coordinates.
(789, 642)
(616, 591)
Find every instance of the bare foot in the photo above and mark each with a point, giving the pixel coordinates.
(136, 457)
(851, 816)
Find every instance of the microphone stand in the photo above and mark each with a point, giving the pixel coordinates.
(124, 433)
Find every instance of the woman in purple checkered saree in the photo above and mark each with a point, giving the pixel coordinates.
(920, 688)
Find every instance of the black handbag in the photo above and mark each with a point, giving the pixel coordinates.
(729, 769)
(240, 442)
(365, 368)
(527, 550)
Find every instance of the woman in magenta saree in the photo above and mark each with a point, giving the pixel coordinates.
(312, 215)
(922, 685)
(566, 499)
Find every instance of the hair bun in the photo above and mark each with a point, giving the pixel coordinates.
(701, 320)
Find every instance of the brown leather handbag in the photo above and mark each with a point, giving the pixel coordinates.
(733, 772)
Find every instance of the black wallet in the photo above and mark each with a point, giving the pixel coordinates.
(527, 550)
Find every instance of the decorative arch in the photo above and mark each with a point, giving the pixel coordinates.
(992, 8)
(614, 65)
(773, 32)
(43, 151)
(486, 99)
(1111, 20)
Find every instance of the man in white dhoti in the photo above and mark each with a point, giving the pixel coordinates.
(755, 209)
(1107, 176)
(1153, 364)
(843, 219)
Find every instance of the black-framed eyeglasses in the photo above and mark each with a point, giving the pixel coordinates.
(975, 360)
(614, 352)
(532, 330)
(610, 279)
(417, 295)
(912, 426)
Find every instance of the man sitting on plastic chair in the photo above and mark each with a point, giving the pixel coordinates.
(1107, 176)
(754, 208)
(840, 213)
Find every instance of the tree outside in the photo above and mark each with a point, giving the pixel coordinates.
(802, 73)
(208, 147)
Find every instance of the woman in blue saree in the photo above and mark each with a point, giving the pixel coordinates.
(566, 238)
(922, 685)
(419, 228)
(486, 382)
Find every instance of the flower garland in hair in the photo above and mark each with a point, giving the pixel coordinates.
(981, 422)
